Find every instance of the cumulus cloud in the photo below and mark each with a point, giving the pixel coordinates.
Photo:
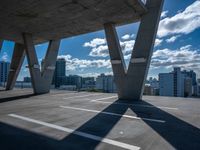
(4, 57)
(172, 39)
(184, 57)
(92, 74)
(158, 42)
(101, 49)
(75, 63)
(164, 14)
(95, 42)
(184, 22)
(127, 36)
(127, 46)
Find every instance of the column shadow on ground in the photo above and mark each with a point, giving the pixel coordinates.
(13, 98)
(180, 134)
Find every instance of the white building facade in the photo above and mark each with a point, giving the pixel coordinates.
(106, 83)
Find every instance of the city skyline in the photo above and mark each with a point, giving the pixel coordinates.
(176, 45)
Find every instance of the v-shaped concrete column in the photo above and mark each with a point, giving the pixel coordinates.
(130, 83)
(41, 81)
(16, 63)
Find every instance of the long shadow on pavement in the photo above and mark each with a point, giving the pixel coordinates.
(99, 125)
(180, 134)
(13, 98)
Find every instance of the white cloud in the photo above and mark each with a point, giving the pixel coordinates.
(164, 14)
(75, 63)
(172, 39)
(100, 51)
(92, 74)
(127, 46)
(4, 57)
(158, 42)
(182, 23)
(127, 36)
(184, 57)
(95, 42)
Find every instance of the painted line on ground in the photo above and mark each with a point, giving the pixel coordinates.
(104, 98)
(79, 96)
(136, 105)
(63, 94)
(113, 114)
(82, 134)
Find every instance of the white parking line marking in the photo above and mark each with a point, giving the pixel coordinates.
(136, 105)
(82, 96)
(63, 94)
(114, 114)
(104, 98)
(82, 134)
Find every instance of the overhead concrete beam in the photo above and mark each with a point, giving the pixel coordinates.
(130, 86)
(16, 63)
(41, 81)
(83, 16)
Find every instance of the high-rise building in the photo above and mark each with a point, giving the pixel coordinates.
(74, 80)
(176, 83)
(191, 74)
(188, 87)
(4, 70)
(166, 84)
(106, 83)
(59, 73)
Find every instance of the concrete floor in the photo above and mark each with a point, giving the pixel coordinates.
(71, 120)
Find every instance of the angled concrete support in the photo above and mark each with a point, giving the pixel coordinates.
(130, 83)
(1, 44)
(16, 63)
(41, 81)
(116, 56)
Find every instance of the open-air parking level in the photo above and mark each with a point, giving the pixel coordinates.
(83, 120)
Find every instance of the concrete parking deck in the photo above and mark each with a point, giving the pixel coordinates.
(81, 120)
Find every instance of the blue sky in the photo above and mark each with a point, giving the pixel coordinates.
(177, 44)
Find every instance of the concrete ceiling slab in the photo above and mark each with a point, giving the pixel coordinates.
(54, 19)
